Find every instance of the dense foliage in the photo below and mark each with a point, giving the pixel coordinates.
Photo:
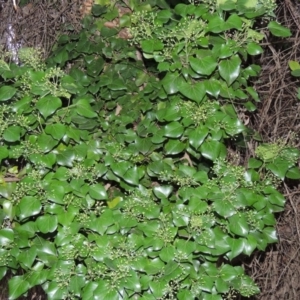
(116, 181)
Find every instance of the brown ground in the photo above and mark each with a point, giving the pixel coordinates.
(277, 271)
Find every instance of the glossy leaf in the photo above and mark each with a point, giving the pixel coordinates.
(211, 149)
(170, 83)
(254, 49)
(293, 173)
(6, 236)
(174, 147)
(132, 176)
(7, 92)
(98, 192)
(279, 167)
(12, 133)
(3, 152)
(238, 225)
(163, 191)
(17, 286)
(279, 30)
(48, 105)
(195, 92)
(173, 130)
(216, 24)
(47, 223)
(29, 206)
(212, 87)
(236, 247)
(229, 69)
(57, 131)
(203, 66)
(150, 46)
(83, 108)
(234, 21)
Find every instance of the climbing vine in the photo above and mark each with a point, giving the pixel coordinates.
(116, 181)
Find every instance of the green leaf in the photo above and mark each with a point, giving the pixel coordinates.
(212, 87)
(69, 83)
(114, 202)
(229, 69)
(143, 145)
(12, 133)
(101, 223)
(117, 85)
(55, 291)
(197, 136)
(254, 163)
(163, 191)
(224, 208)
(76, 283)
(279, 30)
(48, 159)
(238, 224)
(270, 234)
(254, 49)
(216, 24)
(48, 105)
(132, 176)
(294, 65)
(193, 91)
(234, 21)
(7, 92)
(221, 285)
(47, 223)
(212, 297)
(211, 149)
(250, 244)
(83, 108)
(183, 9)
(57, 131)
(170, 113)
(173, 130)
(61, 57)
(55, 192)
(6, 236)
(296, 73)
(3, 152)
(174, 147)
(204, 66)
(206, 283)
(37, 277)
(98, 192)
(149, 46)
(120, 168)
(66, 158)
(4, 66)
(27, 257)
(276, 198)
(45, 142)
(28, 206)
(98, 10)
(17, 286)
(228, 272)
(250, 106)
(170, 82)
(293, 173)
(236, 248)
(253, 93)
(279, 167)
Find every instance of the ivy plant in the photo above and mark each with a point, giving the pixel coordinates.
(295, 71)
(115, 178)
